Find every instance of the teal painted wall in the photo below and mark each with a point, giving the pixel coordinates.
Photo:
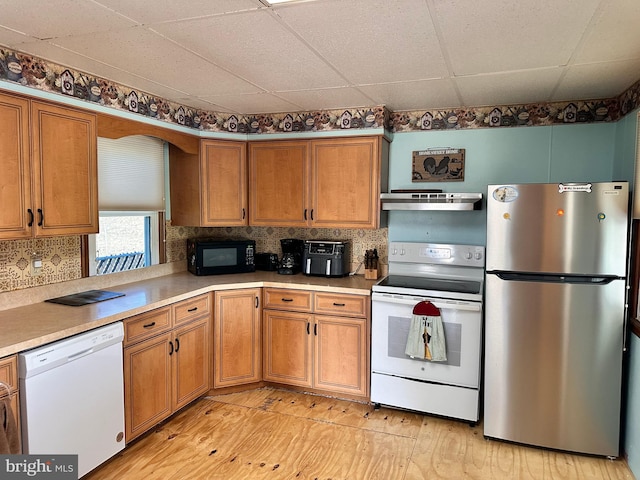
(564, 153)
(578, 153)
(632, 419)
(625, 152)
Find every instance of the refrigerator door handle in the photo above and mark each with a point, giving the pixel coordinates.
(549, 278)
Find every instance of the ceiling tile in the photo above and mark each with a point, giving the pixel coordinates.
(59, 18)
(89, 66)
(616, 19)
(195, 102)
(148, 55)
(243, 56)
(255, 103)
(371, 41)
(502, 35)
(13, 39)
(522, 87)
(417, 95)
(257, 48)
(597, 80)
(153, 11)
(329, 98)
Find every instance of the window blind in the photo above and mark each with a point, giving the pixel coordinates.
(131, 173)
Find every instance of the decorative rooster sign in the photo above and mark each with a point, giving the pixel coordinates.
(438, 165)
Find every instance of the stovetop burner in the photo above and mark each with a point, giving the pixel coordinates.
(430, 269)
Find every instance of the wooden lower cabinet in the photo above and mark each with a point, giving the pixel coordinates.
(340, 354)
(165, 370)
(147, 384)
(314, 350)
(190, 362)
(237, 338)
(288, 349)
(9, 379)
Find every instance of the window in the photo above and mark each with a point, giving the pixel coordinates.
(131, 187)
(127, 240)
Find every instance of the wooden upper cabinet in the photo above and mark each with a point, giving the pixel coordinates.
(209, 189)
(346, 178)
(15, 162)
(332, 183)
(279, 183)
(49, 183)
(65, 167)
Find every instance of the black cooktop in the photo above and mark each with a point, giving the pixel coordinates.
(85, 298)
(430, 283)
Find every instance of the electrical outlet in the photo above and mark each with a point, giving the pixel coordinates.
(36, 263)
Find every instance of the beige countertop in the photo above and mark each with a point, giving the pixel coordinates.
(36, 324)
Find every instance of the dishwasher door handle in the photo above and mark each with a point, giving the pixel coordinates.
(80, 354)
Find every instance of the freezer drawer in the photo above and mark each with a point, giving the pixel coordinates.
(553, 364)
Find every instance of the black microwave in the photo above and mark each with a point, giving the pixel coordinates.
(208, 256)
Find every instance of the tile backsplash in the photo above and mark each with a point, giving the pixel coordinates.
(61, 261)
(268, 239)
(61, 256)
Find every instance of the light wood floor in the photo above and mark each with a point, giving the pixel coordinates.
(277, 434)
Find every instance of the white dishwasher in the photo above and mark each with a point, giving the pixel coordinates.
(72, 397)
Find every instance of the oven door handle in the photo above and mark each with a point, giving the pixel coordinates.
(441, 304)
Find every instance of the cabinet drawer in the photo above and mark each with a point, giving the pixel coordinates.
(341, 304)
(280, 298)
(187, 310)
(9, 372)
(146, 325)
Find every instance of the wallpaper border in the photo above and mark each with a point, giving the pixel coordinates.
(31, 71)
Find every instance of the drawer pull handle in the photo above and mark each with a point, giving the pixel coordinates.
(192, 309)
(338, 304)
(149, 325)
(287, 299)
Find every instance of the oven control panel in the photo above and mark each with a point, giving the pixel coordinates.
(438, 254)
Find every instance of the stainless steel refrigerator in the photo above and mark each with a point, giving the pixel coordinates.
(555, 314)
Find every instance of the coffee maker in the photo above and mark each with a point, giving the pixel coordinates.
(291, 261)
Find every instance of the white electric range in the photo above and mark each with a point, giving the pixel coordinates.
(451, 277)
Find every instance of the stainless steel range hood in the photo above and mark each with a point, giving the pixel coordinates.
(429, 200)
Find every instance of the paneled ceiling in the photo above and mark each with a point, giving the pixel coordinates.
(247, 56)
